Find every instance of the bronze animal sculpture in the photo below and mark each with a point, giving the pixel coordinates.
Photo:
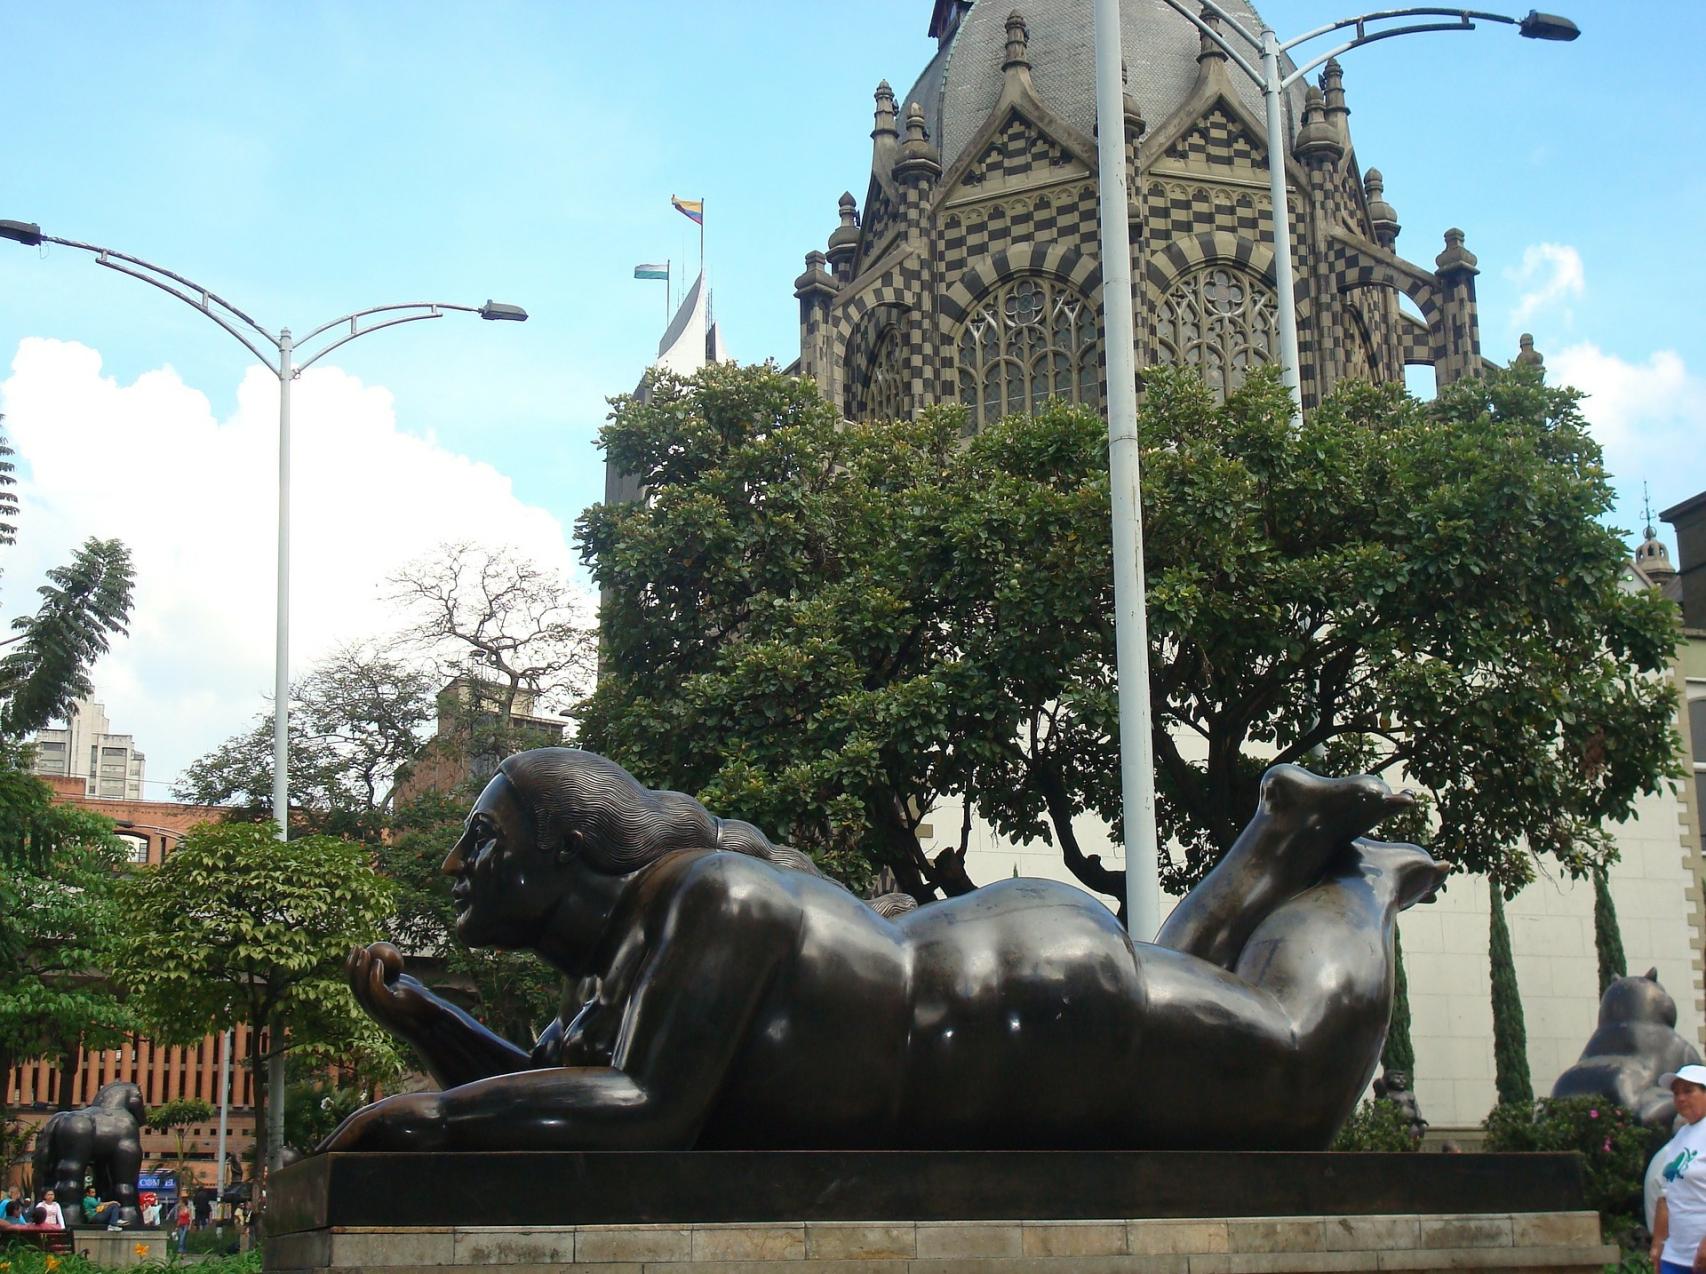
(1634, 1043)
(739, 1000)
(104, 1139)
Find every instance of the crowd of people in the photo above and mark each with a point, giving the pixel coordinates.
(181, 1214)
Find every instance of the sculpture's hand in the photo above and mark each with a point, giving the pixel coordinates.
(390, 997)
(409, 1121)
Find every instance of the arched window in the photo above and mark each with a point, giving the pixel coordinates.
(1029, 340)
(877, 391)
(1219, 320)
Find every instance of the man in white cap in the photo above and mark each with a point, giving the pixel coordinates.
(1678, 1175)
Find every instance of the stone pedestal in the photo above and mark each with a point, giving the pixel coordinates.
(931, 1213)
(121, 1247)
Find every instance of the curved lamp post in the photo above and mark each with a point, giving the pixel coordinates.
(1364, 29)
(1131, 638)
(277, 354)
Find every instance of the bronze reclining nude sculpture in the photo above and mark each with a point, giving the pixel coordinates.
(740, 1000)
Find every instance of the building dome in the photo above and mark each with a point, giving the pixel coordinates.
(959, 87)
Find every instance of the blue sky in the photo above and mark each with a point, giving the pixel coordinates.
(310, 161)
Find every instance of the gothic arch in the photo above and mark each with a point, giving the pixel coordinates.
(1029, 337)
(875, 385)
(1064, 263)
(1191, 252)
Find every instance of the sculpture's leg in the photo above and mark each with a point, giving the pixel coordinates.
(1300, 821)
(65, 1148)
(1326, 957)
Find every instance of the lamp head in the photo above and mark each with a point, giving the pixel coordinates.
(1547, 26)
(494, 311)
(27, 233)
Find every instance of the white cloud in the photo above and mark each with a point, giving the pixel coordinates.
(195, 499)
(1650, 417)
(1550, 276)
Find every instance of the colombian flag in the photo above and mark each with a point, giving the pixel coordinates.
(692, 209)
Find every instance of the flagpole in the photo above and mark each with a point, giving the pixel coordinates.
(701, 238)
(668, 267)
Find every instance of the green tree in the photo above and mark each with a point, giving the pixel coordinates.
(1510, 1035)
(84, 604)
(830, 629)
(59, 926)
(1399, 1053)
(355, 719)
(176, 1117)
(237, 926)
(1607, 937)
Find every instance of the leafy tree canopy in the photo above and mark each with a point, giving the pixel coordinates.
(238, 926)
(354, 720)
(58, 930)
(46, 666)
(829, 628)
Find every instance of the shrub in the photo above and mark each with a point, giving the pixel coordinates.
(1614, 1150)
(18, 1259)
(1376, 1125)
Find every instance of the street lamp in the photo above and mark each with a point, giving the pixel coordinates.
(281, 362)
(1536, 26)
(1131, 635)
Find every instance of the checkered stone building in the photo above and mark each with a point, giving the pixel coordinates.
(972, 272)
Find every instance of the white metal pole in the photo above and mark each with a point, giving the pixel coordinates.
(224, 1109)
(1131, 634)
(281, 655)
(1273, 93)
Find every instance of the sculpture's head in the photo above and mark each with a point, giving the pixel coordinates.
(554, 825)
(1637, 999)
(558, 826)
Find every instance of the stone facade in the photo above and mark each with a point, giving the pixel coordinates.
(972, 272)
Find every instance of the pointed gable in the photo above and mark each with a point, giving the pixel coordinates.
(1019, 152)
(1220, 138)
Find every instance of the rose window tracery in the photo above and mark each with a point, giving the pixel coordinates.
(1027, 341)
(1221, 321)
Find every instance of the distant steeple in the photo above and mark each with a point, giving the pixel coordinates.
(1652, 557)
(885, 137)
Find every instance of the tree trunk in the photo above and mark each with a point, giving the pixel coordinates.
(1607, 937)
(1399, 1053)
(275, 1089)
(259, 1072)
(1510, 1036)
(70, 1062)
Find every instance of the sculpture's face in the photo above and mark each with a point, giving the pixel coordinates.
(505, 884)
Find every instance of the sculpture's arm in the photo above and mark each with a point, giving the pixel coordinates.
(684, 1022)
(455, 1048)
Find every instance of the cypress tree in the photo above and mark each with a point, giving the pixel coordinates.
(1607, 938)
(1510, 1037)
(1399, 1053)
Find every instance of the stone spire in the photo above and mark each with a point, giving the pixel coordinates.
(1333, 90)
(1210, 54)
(1652, 557)
(885, 137)
(1382, 214)
(1456, 259)
(1317, 140)
(1018, 42)
(844, 239)
(918, 158)
(1135, 126)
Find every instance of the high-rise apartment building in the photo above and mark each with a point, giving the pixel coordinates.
(86, 747)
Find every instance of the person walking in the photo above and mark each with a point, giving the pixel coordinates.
(1679, 1174)
(183, 1224)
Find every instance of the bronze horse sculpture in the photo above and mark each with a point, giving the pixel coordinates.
(727, 996)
